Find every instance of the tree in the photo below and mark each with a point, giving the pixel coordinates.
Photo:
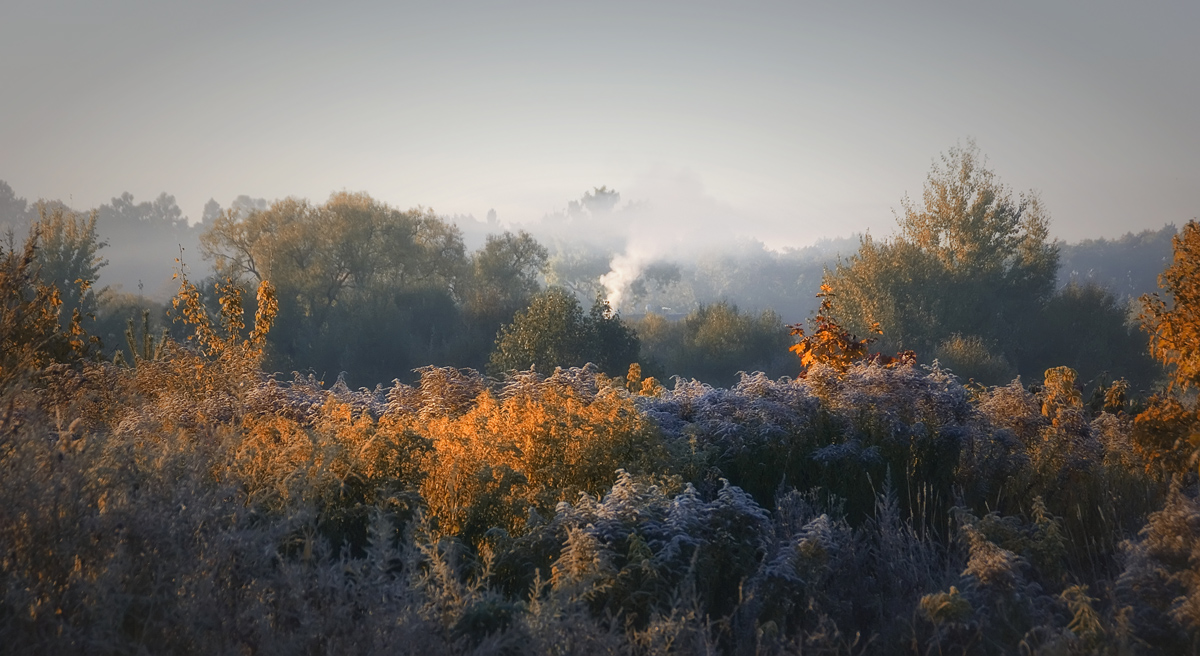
(362, 287)
(1174, 322)
(972, 259)
(829, 343)
(548, 333)
(504, 277)
(578, 269)
(68, 258)
(144, 239)
(1086, 327)
(554, 332)
(613, 344)
(33, 333)
(15, 213)
(601, 200)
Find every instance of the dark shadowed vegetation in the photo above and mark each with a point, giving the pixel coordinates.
(954, 455)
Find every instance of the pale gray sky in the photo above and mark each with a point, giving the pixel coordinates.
(800, 120)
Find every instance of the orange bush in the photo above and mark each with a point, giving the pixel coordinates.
(829, 343)
(538, 445)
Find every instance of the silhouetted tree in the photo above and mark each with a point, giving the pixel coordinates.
(15, 213)
(1086, 327)
(1127, 266)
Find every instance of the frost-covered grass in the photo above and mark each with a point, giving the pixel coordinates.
(178, 506)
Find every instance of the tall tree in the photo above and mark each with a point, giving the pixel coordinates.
(15, 214)
(972, 259)
(68, 258)
(504, 276)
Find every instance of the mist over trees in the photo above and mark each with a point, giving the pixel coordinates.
(373, 291)
(1127, 266)
(865, 503)
(177, 491)
(971, 280)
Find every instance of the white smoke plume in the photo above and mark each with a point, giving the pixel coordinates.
(660, 217)
(672, 219)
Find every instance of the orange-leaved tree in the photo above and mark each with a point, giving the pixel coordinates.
(31, 332)
(829, 343)
(1168, 431)
(1174, 322)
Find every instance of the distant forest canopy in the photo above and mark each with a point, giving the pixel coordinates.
(374, 292)
(142, 240)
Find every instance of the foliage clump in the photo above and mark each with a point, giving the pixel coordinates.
(830, 344)
(554, 332)
(1174, 322)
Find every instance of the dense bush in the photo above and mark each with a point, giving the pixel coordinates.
(715, 342)
(554, 332)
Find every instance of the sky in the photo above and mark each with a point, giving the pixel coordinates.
(788, 122)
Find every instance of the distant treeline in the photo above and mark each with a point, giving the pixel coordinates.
(374, 292)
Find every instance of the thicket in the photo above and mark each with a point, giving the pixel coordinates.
(185, 501)
(714, 343)
(971, 277)
(554, 332)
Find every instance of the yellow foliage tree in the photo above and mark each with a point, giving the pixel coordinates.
(1167, 431)
(31, 332)
(1174, 322)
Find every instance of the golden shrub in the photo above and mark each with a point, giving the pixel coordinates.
(830, 343)
(534, 449)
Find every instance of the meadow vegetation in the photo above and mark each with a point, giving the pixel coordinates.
(180, 497)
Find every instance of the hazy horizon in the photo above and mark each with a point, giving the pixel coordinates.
(786, 124)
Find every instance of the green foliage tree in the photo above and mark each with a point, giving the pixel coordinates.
(972, 259)
(578, 269)
(714, 342)
(1087, 327)
(362, 287)
(68, 258)
(504, 276)
(612, 343)
(554, 332)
